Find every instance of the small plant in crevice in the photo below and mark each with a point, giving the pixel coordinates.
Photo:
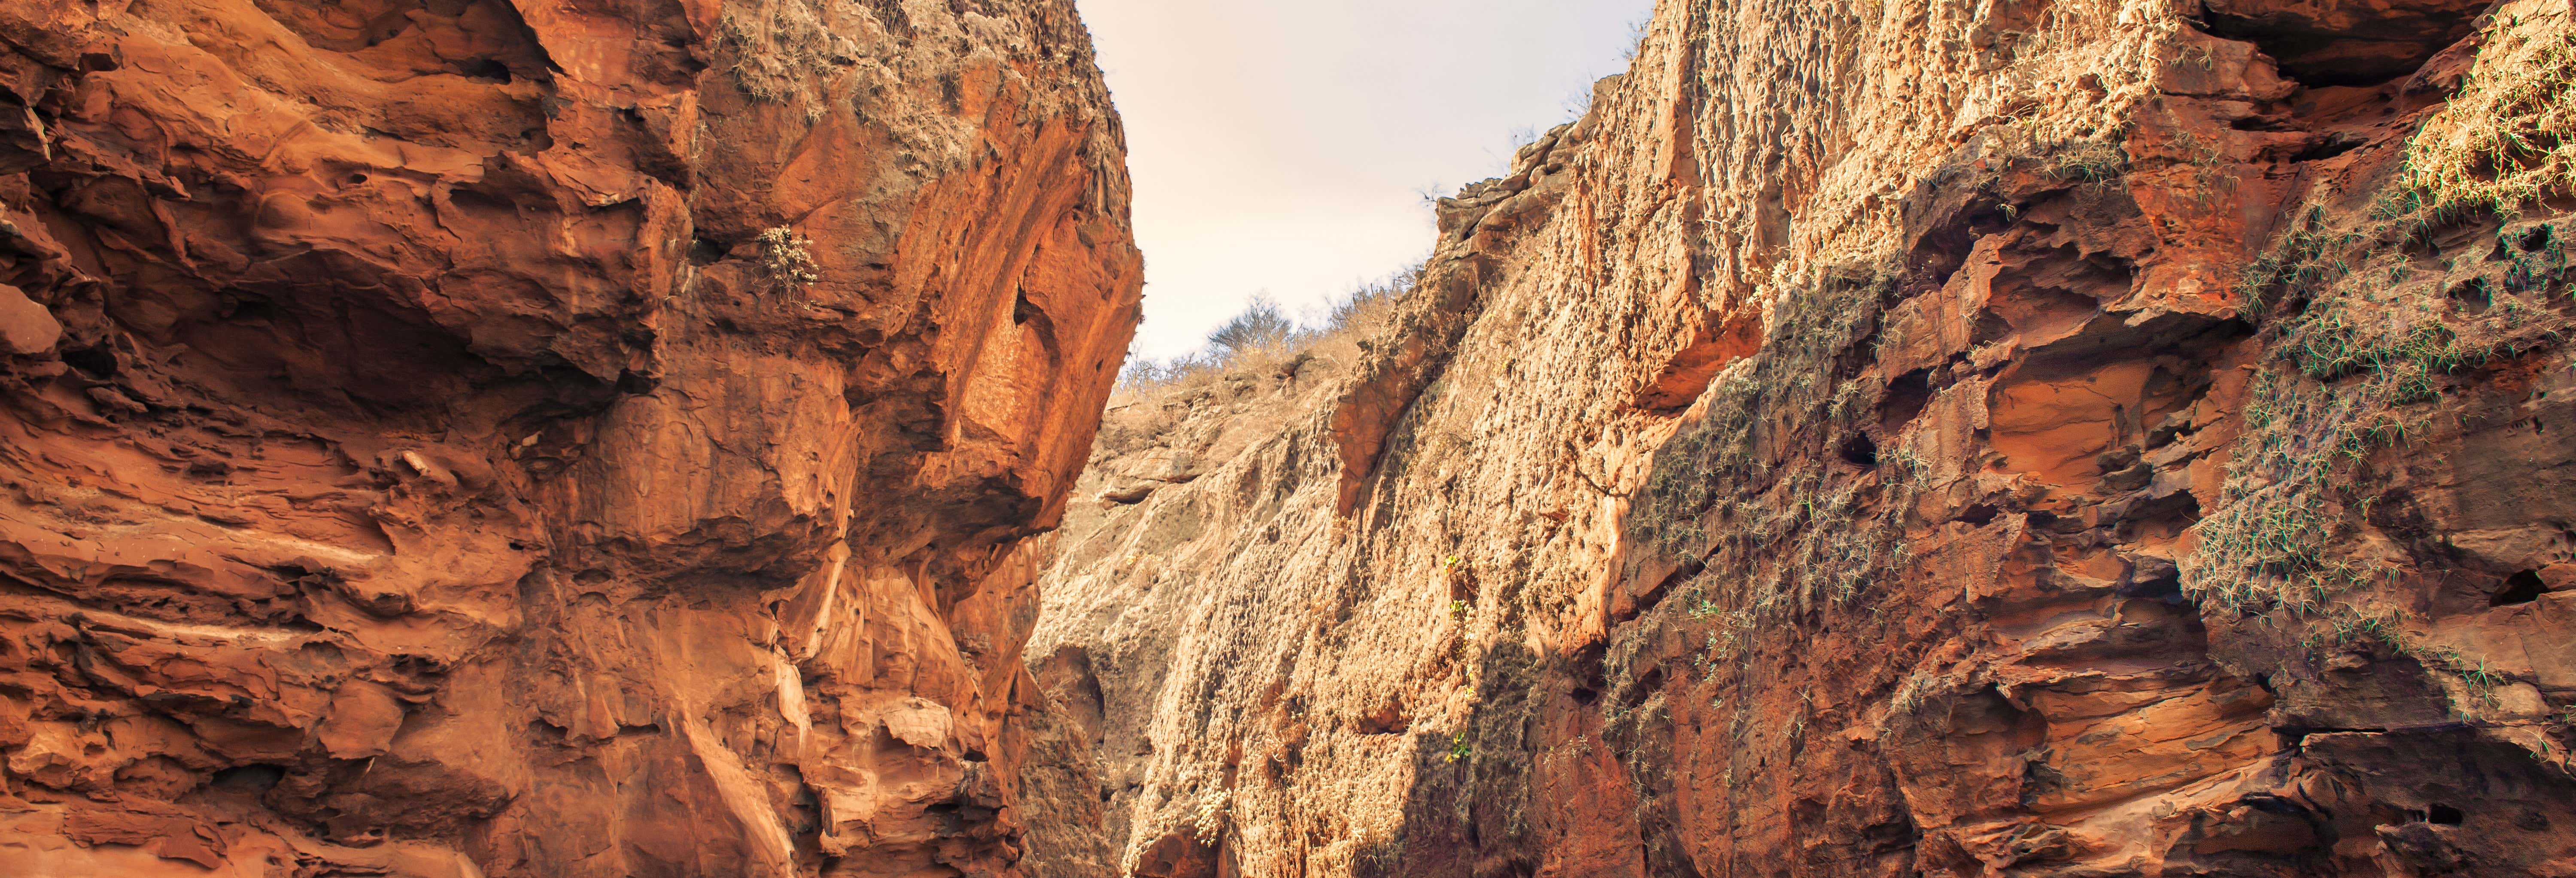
(2341, 626)
(2479, 677)
(2098, 161)
(1797, 729)
(1211, 816)
(2210, 170)
(1907, 701)
(2482, 679)
(787, 258)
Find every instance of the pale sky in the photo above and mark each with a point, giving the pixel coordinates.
(1285, 146)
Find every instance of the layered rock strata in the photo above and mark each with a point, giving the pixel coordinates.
(464, 437)
(2030, 437)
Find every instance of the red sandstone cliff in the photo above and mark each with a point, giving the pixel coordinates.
(2000, 438)
(466, 437)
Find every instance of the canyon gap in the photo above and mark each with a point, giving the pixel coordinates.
(2023, 437)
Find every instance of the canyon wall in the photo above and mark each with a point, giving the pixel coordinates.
(544, 438)
(1907, 437)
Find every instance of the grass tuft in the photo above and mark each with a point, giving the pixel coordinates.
(788, 258)
(2369, 312)
(2503, 143)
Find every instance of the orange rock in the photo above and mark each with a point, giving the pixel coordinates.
(540, 438)
(26, 327)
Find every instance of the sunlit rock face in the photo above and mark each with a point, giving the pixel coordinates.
(466, 437)
(1904, 438)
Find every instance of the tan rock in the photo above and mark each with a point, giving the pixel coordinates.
(1908, 439)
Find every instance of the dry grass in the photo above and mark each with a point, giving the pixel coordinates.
(772, 48)
(1153, 396)
(1364, 313)
(2503, 143)
(1754, 489)
(2368, 318)
(788, 258)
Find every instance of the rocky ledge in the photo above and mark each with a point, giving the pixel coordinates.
(465, 437)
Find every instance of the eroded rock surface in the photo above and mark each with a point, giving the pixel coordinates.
(1908, 438)
(466, 437)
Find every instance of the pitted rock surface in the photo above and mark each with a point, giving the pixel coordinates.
(468, 437)
(1906, 438)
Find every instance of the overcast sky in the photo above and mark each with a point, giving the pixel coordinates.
(1285, 147)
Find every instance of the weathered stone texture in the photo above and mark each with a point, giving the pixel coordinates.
(2003, 438)
(466, 437)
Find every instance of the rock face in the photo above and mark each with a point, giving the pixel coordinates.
(1905, 438)
(466, 437)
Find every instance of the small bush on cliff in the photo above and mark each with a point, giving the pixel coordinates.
(1264, 331)
(1367, 309)
(1260, 326)
(1262, 342)
(787, 258)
